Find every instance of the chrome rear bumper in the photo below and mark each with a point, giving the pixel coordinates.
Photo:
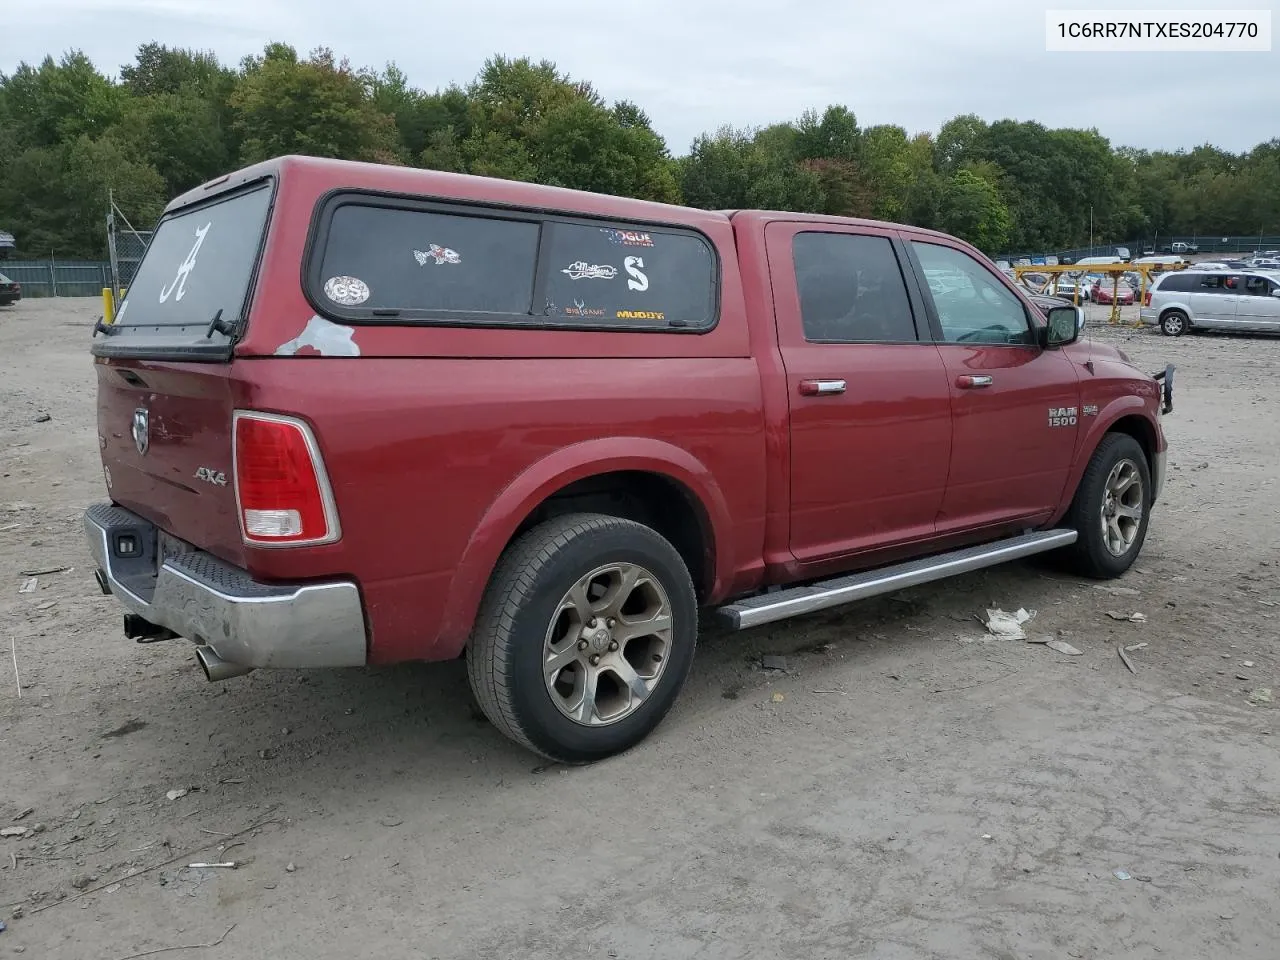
(198, 596)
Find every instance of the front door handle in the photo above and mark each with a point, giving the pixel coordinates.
(821, 388)
(970, 382)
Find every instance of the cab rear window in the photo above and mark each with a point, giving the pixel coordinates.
(394, 260)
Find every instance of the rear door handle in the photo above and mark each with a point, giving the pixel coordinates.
(821, 388)
(970, 382)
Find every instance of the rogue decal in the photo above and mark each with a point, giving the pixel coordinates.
(628, 238)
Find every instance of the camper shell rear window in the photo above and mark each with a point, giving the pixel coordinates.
(193, 287)
(392, 259)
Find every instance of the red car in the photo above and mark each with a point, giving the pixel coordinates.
(356, 414)
(1102, 290)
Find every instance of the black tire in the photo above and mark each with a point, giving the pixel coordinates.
(1174, 323)
(1090, 555)
(505, 655)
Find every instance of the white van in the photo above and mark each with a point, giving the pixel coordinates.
(1162, 260)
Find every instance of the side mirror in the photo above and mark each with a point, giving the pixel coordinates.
(1276, 292)
(1064, 325)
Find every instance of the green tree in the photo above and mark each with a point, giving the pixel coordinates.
(716, 175)
(971, 209)
(59, 101)
(319, 106)
(56, 198)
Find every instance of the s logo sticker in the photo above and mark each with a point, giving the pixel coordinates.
(639, 281)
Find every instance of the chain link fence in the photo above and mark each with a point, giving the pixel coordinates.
(58, 278)
(126, 247)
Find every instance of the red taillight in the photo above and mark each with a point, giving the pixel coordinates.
(1146, 299)
(282, 493)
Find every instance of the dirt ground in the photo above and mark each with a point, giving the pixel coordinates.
(905, 789)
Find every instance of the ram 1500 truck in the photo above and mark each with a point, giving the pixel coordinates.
(358, 414)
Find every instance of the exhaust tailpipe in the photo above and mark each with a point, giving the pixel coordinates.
(215, 668)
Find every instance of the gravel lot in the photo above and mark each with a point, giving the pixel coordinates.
(905, 789)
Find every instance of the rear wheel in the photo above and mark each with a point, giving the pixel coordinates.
(1111, 509)
(584, 637)
(1174, 323)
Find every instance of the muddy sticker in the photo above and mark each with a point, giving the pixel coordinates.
(638, 280)
(437, 253)
(581, 270)
(348, 291)
(185, 268)
(640, 315)
(628, 238)
(1062, 416)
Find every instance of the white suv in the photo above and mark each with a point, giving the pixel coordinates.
(1214, 300)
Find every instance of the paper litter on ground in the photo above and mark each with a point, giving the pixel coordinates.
(1008, 626)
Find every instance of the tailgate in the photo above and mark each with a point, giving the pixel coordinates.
(164, 368)
(165, 436)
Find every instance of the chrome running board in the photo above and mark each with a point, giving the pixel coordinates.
(797, 601)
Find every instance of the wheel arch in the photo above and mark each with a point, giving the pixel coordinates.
(641, 479)
(1128, 415)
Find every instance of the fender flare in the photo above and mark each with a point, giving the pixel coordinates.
(554, 472)
(1107, 418)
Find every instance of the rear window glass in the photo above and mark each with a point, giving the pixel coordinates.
(385, 260)
(382, 258)
(199, 262)
(623, 277)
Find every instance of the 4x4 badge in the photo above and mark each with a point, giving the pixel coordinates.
(141, 430)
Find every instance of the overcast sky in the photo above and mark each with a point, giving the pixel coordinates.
(696, 64)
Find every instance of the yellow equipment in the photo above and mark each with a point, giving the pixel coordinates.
(1113, 270)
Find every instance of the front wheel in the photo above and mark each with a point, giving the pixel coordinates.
(1111, 509)
(584, 638)
(1174, 323)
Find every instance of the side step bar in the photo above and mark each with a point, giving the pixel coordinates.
(797, 601)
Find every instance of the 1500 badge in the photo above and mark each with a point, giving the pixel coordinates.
(216, 477)
(1062, 416)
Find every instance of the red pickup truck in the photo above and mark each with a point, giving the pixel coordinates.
(354, 414)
